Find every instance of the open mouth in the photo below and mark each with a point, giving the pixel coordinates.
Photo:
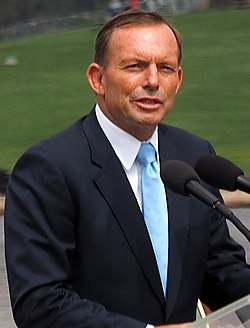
(149, 103)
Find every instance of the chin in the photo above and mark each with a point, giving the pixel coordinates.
(152, 121)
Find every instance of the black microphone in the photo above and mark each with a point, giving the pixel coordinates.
(221, 173)
(181, 178)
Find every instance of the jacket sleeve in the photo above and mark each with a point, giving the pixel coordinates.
(227, 275)
(40, 245)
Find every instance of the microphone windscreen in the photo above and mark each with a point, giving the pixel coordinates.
(176, 174)
(218, 171)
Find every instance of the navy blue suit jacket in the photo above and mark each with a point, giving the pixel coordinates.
(78, 252)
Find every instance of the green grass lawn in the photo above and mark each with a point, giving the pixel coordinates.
(47, 90)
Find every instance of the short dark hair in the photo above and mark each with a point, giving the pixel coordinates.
(130, 17)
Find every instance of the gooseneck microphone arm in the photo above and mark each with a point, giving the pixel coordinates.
(239, 225)
(182, 179)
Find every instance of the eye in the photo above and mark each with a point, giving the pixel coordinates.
(165, 68)
(135, 67)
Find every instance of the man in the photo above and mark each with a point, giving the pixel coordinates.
(78, 251)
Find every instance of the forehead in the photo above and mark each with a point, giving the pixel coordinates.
(153, 39)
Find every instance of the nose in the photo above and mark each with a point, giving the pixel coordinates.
(152, 77)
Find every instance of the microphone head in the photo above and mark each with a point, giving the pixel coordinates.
(176, 174)
(218, 171)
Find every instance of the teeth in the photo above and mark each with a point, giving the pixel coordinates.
(148, 101)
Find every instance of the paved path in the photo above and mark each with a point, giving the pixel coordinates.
(6, 320)
(244, 215)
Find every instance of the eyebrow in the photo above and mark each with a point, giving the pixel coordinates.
(145, 62)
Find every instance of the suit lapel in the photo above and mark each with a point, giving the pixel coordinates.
(122, 202)
(128, 215)
(178, 207)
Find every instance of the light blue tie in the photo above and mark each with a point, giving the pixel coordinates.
(154, 207)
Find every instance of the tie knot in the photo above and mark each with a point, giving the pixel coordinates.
(146, 154)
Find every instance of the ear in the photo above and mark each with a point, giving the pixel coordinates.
(180, 77)
(95, 76)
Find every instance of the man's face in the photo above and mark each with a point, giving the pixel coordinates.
(142, 77)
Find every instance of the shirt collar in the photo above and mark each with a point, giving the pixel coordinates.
(125, 146)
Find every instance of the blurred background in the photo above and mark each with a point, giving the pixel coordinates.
(19, 17)
(46, 46)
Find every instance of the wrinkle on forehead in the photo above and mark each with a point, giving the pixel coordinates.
(153, 43)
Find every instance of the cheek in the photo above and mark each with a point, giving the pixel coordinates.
(171, 87)
(120, 90)
(113, 96)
